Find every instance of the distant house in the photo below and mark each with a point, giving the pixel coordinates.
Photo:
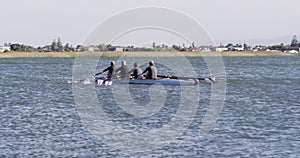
(93, 49)
(194, 49)
(205, 48)
(116, 49)
(4, 48)
(259, 48)
(219, 49)
(292, 50)
(238, 48)
(79, 48)
(45, 49)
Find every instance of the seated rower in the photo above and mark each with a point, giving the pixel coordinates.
(123, 70)
(151, 71)
(136, 72)
(111, 71)
(110, 74)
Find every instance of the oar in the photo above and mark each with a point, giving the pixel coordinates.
(211, 79)
(84, 81)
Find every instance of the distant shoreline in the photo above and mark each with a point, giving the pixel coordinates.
(136, 54)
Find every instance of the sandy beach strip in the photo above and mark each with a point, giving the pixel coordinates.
(135, 54)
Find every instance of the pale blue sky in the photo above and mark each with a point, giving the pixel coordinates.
(38, 22)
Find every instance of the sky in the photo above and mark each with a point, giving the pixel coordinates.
(38, 22)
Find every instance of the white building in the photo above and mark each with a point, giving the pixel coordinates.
(205, 48)
(93, 49)
(221, 49)
(238, 48)
(116, 49)
(4, 48)
(292, 51)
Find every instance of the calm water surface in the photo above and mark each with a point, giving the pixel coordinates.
(260, 117)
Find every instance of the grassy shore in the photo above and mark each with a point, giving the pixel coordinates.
(135, 54)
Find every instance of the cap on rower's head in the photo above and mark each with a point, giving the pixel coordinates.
(123, 62)
(112, 63)
(151, 63)
(135, 64)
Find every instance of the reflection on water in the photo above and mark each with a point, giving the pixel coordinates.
(260, 117)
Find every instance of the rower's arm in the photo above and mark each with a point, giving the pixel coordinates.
(101, 71)
(147, 69)
(131, 71)
(98, 73)
(118, 70)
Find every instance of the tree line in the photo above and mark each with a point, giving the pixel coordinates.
(58, 46)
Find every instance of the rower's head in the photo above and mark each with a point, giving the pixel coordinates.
(112, 63)
(136, 65)
(123, 63)
(151, 63)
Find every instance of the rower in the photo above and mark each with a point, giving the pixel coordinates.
(123, 70)
(111, 71)
(151, 71)
(136, 71)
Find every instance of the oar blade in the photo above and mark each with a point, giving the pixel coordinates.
(211, 79)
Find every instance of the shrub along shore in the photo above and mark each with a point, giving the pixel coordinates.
(136, 54)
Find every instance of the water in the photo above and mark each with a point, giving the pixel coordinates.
(260, 117)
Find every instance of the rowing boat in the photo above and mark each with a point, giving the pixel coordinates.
(159, 80)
